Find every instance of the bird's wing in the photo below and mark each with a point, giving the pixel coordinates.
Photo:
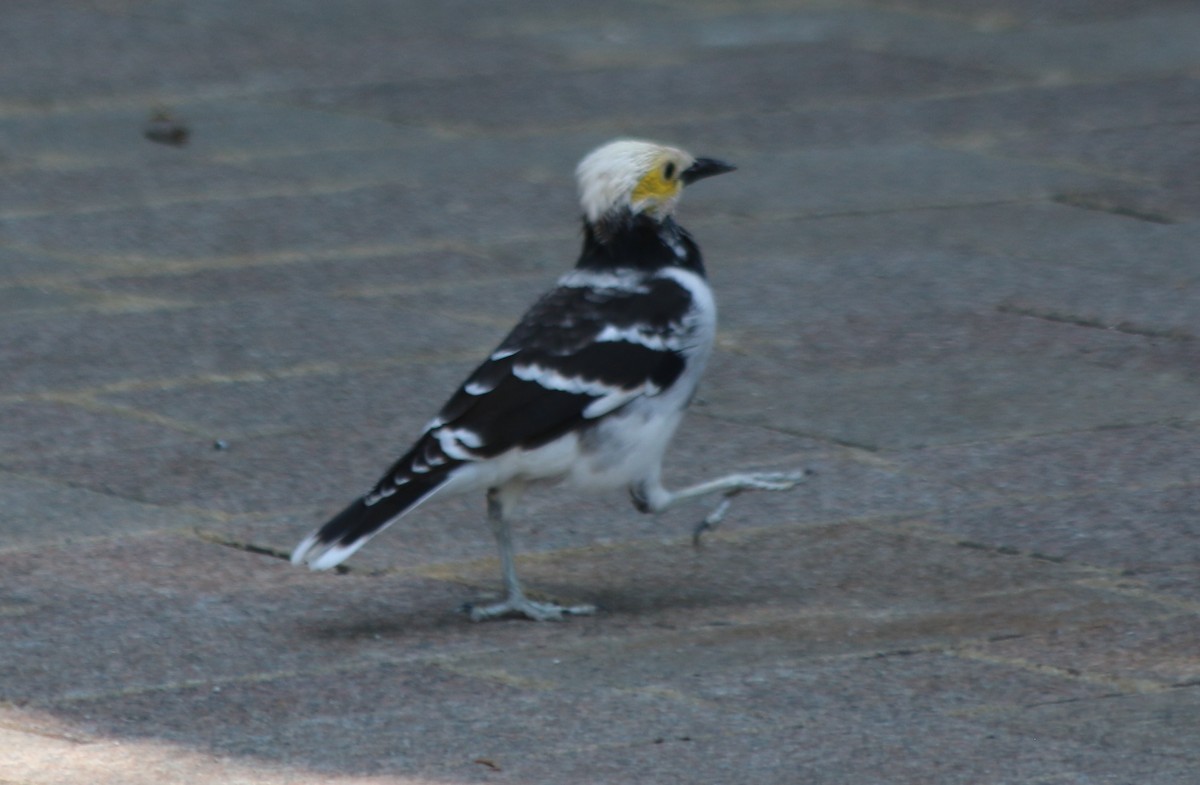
(586, 348)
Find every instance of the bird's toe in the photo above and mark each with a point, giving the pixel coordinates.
(524, 607)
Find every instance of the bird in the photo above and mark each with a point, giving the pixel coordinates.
(588, 388)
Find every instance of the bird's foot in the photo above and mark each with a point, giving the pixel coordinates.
(765, 481)
(520, 605)
(772, 481)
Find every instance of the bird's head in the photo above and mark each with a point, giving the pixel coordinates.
(638, 178)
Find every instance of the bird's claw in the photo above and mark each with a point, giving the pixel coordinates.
(715, 517)
(773, 481)
(522, 606)
(766, 481)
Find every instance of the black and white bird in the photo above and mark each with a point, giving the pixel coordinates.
(587, 389)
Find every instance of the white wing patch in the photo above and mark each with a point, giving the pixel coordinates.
(611, 334)
(608, 397)
(615, 400)
(553, 380)
(457, 442)
(475, 388)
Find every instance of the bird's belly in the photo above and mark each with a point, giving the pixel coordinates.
(624, 447)
(612, 453)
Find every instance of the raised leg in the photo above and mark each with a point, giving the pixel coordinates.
(651, 496)
(515, 602)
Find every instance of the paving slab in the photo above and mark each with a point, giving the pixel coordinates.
(968, 119)
(739, 80)
(1161, 455)
(1155, 41)
(973, 397)
(1016, 14)
(39, 512)
(956, 271)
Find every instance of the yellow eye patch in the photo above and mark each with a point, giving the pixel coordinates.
(655, 186)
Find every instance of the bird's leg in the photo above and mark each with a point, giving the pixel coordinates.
(651, 496)
(515, 602)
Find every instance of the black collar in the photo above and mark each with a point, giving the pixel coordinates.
(625, 240)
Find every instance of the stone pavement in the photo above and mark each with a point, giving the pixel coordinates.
(959, 279)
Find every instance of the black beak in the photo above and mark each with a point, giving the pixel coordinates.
(704, 167)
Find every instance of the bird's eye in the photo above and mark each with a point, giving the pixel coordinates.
(669, 170)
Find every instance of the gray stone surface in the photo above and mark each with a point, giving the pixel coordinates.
(958, 281)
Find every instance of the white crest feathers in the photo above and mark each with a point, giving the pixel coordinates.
(609, 174)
